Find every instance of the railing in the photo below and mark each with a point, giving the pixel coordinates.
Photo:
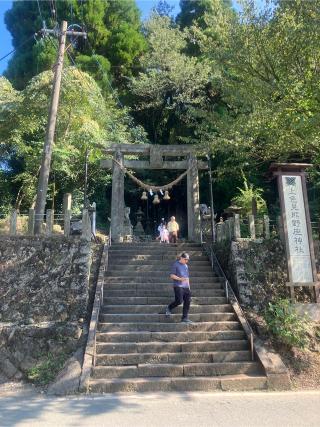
(231, 297)
(89, 360)
(99, 296)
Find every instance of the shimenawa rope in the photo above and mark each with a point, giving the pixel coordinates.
(151, 186)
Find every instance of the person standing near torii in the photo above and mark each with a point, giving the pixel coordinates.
(173, 228)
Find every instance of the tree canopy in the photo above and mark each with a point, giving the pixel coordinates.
(242, 84)
(113, 29)
(86, 120)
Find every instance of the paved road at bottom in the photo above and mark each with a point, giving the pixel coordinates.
(289, 409)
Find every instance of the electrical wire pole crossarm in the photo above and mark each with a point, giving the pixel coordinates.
(51, 126)
(68, 33)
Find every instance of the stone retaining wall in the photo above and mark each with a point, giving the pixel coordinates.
(45, 288)
(43, 279)
(257, 270)
(22, 347)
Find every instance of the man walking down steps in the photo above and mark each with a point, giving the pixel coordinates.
(181, 286)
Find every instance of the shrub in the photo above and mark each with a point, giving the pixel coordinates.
(45, 371)
(284, 323)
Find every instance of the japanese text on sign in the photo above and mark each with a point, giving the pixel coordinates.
(299, 251)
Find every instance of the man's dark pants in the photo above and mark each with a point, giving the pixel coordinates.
(173, 237)
(181, 295)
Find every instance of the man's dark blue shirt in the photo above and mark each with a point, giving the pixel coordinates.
(180, 270)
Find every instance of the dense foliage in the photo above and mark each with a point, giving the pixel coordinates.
(86, 120)
(286, 325)
(242, 84)
(113, 29)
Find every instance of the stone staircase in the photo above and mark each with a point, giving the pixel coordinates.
(139, 349)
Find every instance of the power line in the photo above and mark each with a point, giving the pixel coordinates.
(53, 11)
(40, 13)
(104, 73)
(55, 45)
(18, 47)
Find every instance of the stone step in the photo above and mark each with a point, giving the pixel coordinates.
(164, 301)
(158, 286)
(173, 347)
(150, 260)
(174, 318)
(156, 243)
(176, 370)
(155, 268)
(159, 273)
(166, 279)
(157, 246)
(144, 308)
(180, 358)
(160, 293)
(169, 327)
(172, 254)
(187, 336)
(241, 382)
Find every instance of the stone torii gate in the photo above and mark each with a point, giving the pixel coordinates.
(156, 154)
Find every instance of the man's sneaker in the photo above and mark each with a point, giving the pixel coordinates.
(168, 312)
(186, 320)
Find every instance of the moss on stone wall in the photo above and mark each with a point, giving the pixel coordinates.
(257, 270)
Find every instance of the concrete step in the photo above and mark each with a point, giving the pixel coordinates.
(187, 336)
(169, 327)
(164, 301)
(241, 382)
(160, 293)
(140, 309)
(158, 286)
(176, 370)
(180, 358)
(174, 318)
(172, 347)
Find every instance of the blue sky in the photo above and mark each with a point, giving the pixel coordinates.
(5, 38)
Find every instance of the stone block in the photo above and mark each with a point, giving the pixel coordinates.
(279, 382)
(67, 381)
(8, 368)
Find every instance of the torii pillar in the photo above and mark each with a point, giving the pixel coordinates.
(193, 205)
(117, 199)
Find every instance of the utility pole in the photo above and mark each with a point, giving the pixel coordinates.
(85, 196)
(51, 126)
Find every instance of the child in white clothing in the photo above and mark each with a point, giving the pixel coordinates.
(164, 234)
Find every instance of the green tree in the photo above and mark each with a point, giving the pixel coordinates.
(193, 12)
(86, 120)
(171, 84)
(270, 80)
(113, 33)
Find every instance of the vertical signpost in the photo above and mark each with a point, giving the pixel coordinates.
(297, 226)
